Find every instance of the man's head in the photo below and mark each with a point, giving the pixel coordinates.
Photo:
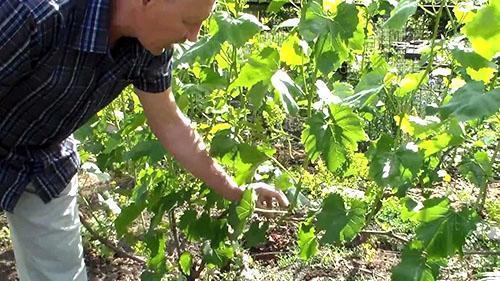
(159, 24)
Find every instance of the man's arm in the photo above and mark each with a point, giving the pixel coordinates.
(173, 130)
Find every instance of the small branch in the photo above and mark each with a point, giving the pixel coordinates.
(266, 211)
(482, 253)
(358, 267)
(108, 243)
(269, 253)
(196, 274)
(173, 227)
(385, 233)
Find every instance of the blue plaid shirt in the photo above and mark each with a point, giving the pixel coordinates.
(56, 71)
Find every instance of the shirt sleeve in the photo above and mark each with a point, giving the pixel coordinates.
(155, 75)
(17, 27)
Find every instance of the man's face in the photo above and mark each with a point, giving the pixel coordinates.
(162, 23)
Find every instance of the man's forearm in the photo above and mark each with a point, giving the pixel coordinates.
(187, 147)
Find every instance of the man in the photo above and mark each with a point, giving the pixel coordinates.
(61, 61)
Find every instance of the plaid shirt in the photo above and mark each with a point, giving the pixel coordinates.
(56, 71)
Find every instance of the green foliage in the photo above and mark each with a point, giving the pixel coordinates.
(400, 15)
(239, 214)
(332, 135)
(340, 224)
(308, 244)
(260, 67)
(415, 267)
(471, 102)
(186, 262)
(394, 168)
(256, 234)
(485, 41)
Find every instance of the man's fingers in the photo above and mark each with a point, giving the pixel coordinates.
(258, 203)
(282, 200)
(269, 202)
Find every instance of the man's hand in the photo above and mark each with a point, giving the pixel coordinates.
(265, 195)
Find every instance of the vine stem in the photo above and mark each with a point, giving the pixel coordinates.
(173, 227)
(482, 253)
(429, 65)
(386, 233)
(266, 211)
(484, 190)
(365, 30)
(108, 243)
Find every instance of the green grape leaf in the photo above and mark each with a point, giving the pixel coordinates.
(394, 167)
(414, 267)
(151, 148)
(409, 83)
(235, 31)
(332, 137)
(293, 51)
(127, 216)
(433, 209)
(259, 67)
(204, 50)
(418, 127)
(186, 262)
(331, 55)
(147, 275)
(238, 31)
(342, 90)
(240, 213)
(470, 102)
(400, 15)
(346, 20)
(284, 182)
(478, 169)
(276, 5)
(203, 227)
(222, 143)
(313, 22)
(484, 30)
(219, 256)
(156, 243)
(307, 241)
(163, 204)
(369, 85)
(445, 235)
(188, 223)
(286, 89)
(246, 206)
(436, 144)
(257, 94)
(340, 224)
(327, 61)
(256, 234)
(471, 59)
(245, 160)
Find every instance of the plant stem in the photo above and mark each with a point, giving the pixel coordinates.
(365, 30)
(108, 243)
(376, 206)
(428, 68)
(484, 189)
(173, 228)
(386, 233)
(282, 167)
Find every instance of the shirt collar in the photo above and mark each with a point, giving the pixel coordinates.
(92, 32)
